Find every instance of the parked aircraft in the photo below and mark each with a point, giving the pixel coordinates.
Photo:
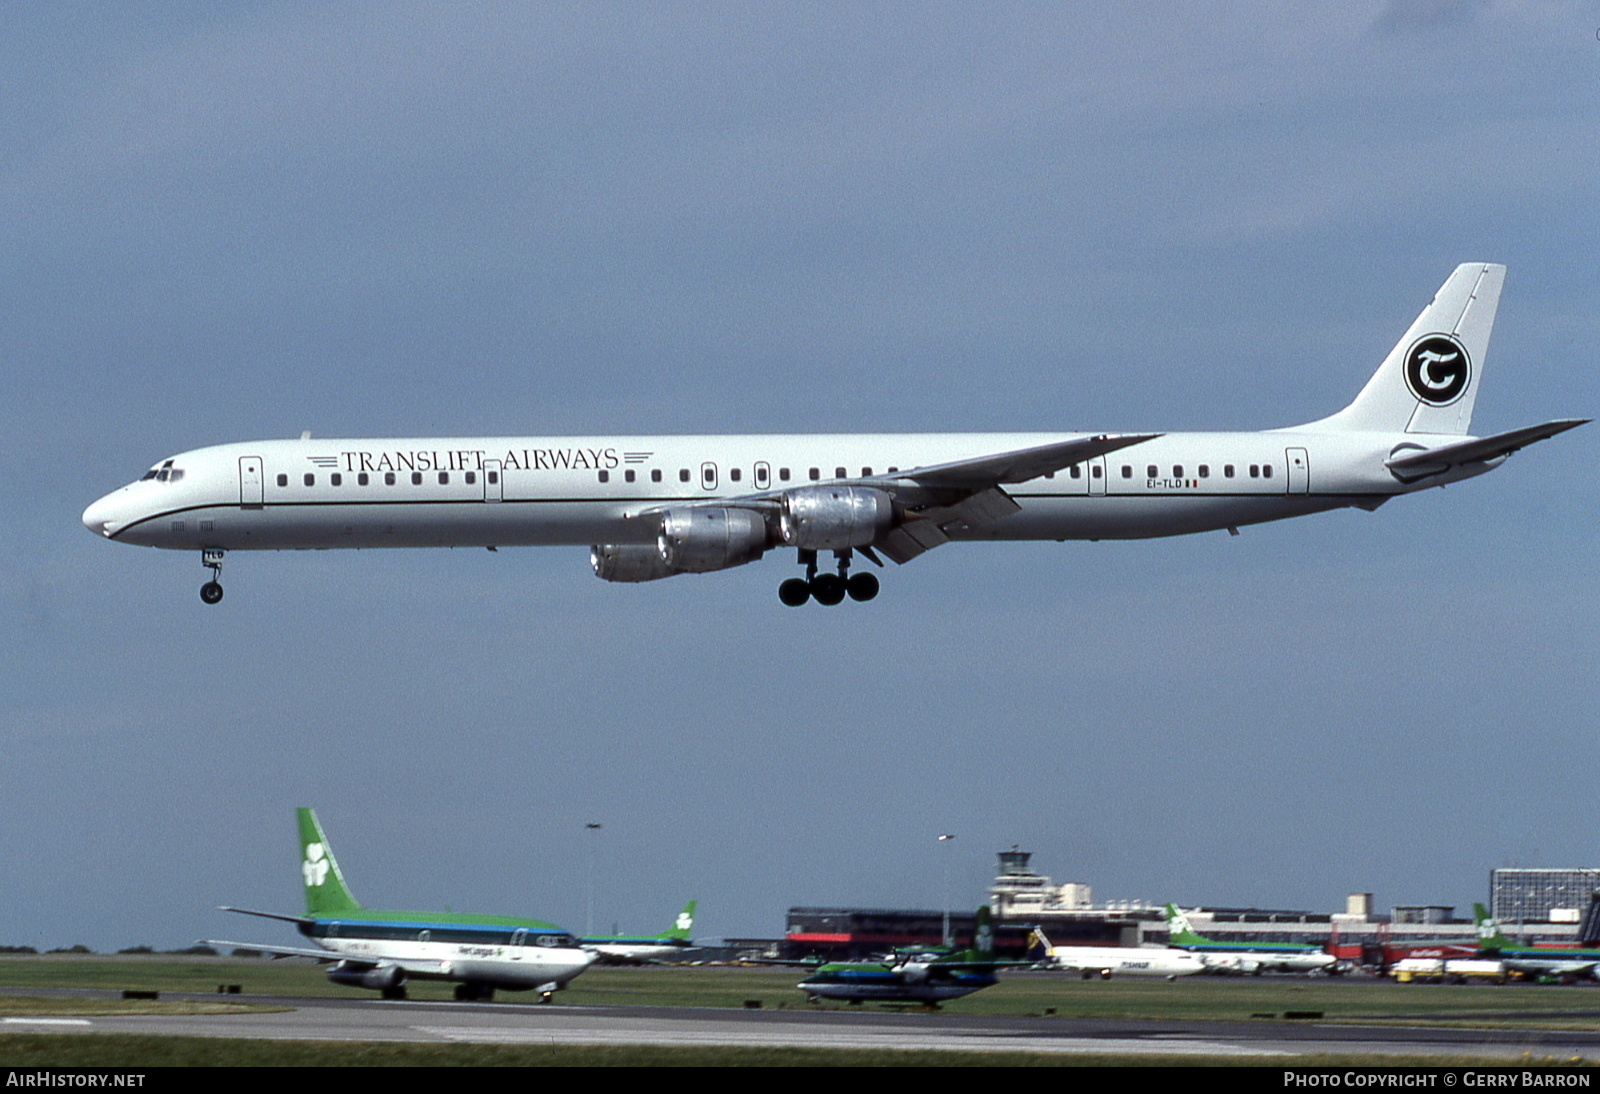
(661, 505)
(385, 950)
(909, 976)
(1245, 957)
(1565, 963)
(674, 940)
(1108, 961)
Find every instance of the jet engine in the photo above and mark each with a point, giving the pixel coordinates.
(835, 518)
(380, 978)
(697, 541)
(628, 562)
(914, 972)
(691, 541)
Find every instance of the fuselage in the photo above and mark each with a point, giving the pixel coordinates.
(1109, 961)
(494, 951)
(879, 982)
(496, 492)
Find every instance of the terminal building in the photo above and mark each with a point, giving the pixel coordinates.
(1537, 905)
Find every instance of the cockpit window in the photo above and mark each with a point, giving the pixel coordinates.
(162, 472)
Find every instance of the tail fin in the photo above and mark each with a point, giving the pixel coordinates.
(1429, 381)
(982, 938)
(325, 887)
(1489, 936)
(682, 927)
(1179, 930)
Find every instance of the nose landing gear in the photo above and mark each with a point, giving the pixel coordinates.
(828, 589)
(211, 591)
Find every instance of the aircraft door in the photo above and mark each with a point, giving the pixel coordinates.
(250, 482)
(1299, 471)
(1096, 470)
(493, 484)
(708, 476)
(519, 939)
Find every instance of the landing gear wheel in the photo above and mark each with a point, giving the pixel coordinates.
(211, 592)
(828, 589)
(862, 587)
(794, 592)
(394, 993)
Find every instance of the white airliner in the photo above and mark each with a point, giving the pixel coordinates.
(658, 506)
(1108, 961)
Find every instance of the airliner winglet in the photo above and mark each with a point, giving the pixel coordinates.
(659, 506)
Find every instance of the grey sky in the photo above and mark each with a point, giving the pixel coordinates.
(230, 222)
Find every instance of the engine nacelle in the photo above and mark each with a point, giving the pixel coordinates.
(833, 518)
(382, 978)
(628, 562)
(914, 972)
(697, 541)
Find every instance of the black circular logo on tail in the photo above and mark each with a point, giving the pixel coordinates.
(1437, 369)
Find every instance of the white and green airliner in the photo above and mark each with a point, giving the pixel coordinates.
(632, 949)
(661, 505)
(1252, 958)
(381, 950)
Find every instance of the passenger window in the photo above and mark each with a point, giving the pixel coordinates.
(283, 480)
(735, 474)
(1076, 472)
(838, 472)
(494, 477)
(783, 473)
(1205, 471)
(629, 475)
(1049, 474)
(416, 478)
(362, 479)
(337, 479)
(311, 480)
(1150, 472)
(1094, 472)
(444, 478)
(1255, 471)
(605, 476)
(388, 478)
(1227, 470)
(816, 474)
(655, 475)
(472, 477)
(683, 475)
(1177, 470)
(1266, 471)
(866, 472)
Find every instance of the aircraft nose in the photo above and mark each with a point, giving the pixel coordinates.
(101, 517)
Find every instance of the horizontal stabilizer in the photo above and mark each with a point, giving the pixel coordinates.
(1412, 465)
(268, 915)
(280, 951)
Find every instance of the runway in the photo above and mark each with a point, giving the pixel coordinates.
(512, 1024)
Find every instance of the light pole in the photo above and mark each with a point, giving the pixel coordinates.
(588, 923)
(946, 837)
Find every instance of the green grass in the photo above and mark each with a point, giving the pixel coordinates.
(136, 1051)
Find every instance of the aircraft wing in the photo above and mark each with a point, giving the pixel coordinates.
(1409, 466)
(949, 497)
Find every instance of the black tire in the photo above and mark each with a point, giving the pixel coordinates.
(794, 592)
(828, 589)
(211, 592)
(863, 587)
(394, 993)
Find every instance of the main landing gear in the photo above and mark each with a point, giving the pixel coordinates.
(211, 591)
(829, 589)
